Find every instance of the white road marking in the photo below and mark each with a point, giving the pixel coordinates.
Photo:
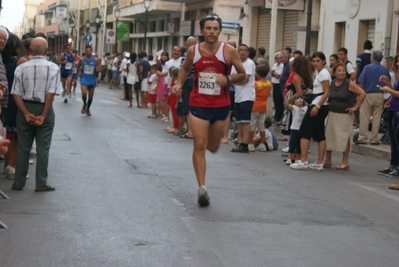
(377, 191)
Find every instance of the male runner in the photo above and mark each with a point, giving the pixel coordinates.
(75, 71)
(210, 95)
(66, 60)
(88, 68)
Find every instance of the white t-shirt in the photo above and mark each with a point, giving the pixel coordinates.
(269, 139)
(246, 92)
(349, 68)
(122, 68)
(168, 65)
(115, 62)
(297, 116)
(278, 69)
(322, 76)
(153, 82)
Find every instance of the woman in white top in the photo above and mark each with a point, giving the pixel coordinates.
(132, 77)
(313, 123)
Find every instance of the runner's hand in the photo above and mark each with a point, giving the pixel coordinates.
(176, 89)
(222, 80)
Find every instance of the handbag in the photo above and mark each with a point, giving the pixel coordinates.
(137, 86)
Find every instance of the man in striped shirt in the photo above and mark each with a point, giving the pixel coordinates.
(35, 84)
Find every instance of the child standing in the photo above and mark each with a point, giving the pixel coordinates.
(152, 90)
(172, 101)
(258, 115)
(295, 104)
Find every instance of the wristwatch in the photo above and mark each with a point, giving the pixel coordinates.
(229, 78)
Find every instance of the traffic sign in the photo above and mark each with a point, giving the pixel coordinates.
(88, 38)
(231, 25)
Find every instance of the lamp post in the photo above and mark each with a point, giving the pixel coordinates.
(87, 29)
(117, 14)
(98, 29)
(147, 4)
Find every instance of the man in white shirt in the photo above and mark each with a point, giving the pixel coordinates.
(276, 72)
(123, 75)
(343, 58)
(244, 100)
(114, 70)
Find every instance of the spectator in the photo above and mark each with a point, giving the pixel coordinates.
(369, 80)
(313, 123)
(258, 114)
(342, 106)
(35, 116)
(343, 58)
(244, 100)
(363, 59)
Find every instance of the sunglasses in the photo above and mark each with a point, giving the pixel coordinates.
(211, 17)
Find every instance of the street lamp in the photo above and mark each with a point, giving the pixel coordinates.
(117, 14)
(98, 29)
(147, 4)
(87, 28)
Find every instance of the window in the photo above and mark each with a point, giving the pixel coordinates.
(190, 15)
(161, 25)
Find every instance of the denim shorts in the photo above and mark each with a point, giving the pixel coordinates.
(114, 74)
(242, 111)
(210, 114)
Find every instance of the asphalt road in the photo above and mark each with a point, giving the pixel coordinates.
(126, 196)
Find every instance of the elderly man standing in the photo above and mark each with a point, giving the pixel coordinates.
(369, 80)
(35, 84)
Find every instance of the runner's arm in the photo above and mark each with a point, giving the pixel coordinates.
(98, 65)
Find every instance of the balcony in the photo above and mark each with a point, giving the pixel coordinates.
(134, 10)
(182, 1)
(54, 30)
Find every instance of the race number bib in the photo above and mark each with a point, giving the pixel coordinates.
(74, 70)
(68, 65)
(207, 84)
(88, 69)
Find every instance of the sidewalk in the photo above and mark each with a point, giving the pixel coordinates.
(381, 151)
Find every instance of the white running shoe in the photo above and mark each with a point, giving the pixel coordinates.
(251, 148)
(315, 166)
(299, 165)
(285, 150)
(261, 148)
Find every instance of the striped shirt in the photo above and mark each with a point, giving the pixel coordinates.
(36, 78)
(3, 79)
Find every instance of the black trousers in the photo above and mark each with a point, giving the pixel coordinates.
(278, 100)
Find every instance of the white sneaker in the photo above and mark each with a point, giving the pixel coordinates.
(315, 166)
(285, 150)
(251, 148)
(299, 165)
(261, 148)
(9, 172)
(288, 162)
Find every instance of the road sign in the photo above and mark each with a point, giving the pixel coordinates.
(110, 36)
(231, 25)
(88, 38)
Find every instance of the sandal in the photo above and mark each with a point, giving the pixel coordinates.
(185, 136)
(151, 116)
(327, 165)
(170, 130)
(46, 188)
(342, 167)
